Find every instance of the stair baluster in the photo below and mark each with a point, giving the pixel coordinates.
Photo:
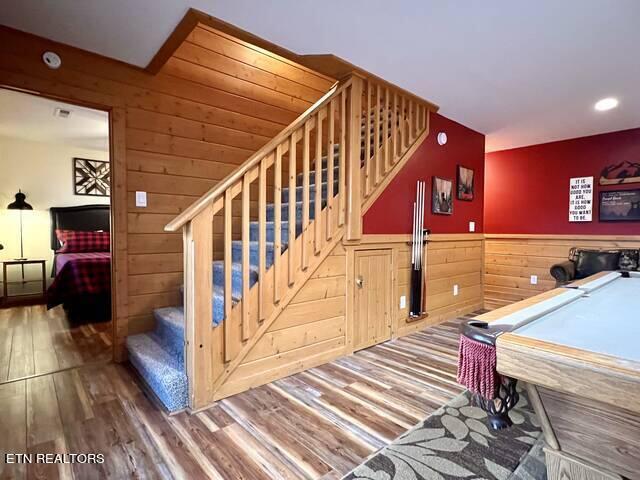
(262, 236)
(394, 130)
(318, 191)
(305, 193)
(376, 135)
(385, 132)
(403, 129)
(277, 225)
(228, 265)
(343, 158)
(367, 142)
(330, 158)
(246, 198)
(292, 211)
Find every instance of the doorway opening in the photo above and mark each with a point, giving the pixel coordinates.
(55, 236)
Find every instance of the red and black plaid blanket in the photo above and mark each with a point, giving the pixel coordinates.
(87, 275)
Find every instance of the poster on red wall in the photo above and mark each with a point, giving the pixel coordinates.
(580, 199)
(620, 205)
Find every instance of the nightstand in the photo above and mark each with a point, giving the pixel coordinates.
(9, 263)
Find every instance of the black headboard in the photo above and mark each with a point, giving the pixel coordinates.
(85, 218)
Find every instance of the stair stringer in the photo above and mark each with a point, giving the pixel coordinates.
(238, 374)
(272, 311)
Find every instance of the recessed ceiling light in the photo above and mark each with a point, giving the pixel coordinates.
(606, 104)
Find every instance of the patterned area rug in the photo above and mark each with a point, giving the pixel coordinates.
(455, 442)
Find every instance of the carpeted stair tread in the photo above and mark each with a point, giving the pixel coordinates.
(236, 277)
(312, 175)
(170, 329)
(254, 231)
(254, 253)
(161, 371)
(284, 210)
(312, 190)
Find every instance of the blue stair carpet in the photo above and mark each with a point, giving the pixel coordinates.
(159, 355)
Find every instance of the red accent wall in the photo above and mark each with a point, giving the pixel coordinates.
(527, 189)
(392, 212)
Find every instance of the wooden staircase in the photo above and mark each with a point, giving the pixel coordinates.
(337, 157)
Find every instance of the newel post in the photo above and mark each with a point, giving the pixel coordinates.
(198, 283)
(354, 193)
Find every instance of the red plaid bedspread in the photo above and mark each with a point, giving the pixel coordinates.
(78, 277)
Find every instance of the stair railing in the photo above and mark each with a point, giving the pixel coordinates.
(395, 123)
(369, 126)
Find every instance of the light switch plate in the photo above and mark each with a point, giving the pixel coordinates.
(141, 199)
(534, 279)
(455, 290)
(403, 301)
(472, 226)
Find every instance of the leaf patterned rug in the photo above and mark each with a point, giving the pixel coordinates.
(454, 442)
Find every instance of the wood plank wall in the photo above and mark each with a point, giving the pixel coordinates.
(314, 328)
(510, 260)
(215, 102)
(451, 259)
(310, 331)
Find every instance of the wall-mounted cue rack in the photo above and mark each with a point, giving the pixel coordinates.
(419, 239)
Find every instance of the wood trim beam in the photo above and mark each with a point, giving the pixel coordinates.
(406, 237)
(506, 236)
(194, 17)
(329, 66)
(443, 237)
(178, 36)
(119, 267)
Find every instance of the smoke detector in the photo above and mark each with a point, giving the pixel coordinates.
(52, 60)
(62, 112)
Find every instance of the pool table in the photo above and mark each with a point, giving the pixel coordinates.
(577, 349)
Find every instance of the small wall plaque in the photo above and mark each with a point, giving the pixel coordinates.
(91, 177)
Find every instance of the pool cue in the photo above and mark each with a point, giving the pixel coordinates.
(416, 252)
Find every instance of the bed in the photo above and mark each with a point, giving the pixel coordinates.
(82, 262)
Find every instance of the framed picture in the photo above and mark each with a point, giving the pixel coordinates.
(620, 206)
(619, 173)
(465, 183)
(442, 196)
(91, 177)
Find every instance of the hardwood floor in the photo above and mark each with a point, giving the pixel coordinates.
(318, 424)
(34, 341)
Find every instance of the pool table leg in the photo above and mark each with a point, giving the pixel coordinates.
(498, 408)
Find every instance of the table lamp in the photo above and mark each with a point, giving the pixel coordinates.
(21, 205)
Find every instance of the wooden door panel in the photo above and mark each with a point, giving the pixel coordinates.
(373, 298)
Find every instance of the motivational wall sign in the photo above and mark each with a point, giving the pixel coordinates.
(580, 199)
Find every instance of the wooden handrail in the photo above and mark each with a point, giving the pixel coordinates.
(193, 210)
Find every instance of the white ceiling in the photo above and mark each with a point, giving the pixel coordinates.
(522, 72)
(30, 117)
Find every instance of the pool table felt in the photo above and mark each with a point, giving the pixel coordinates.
(599, 322)
(607, 321)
